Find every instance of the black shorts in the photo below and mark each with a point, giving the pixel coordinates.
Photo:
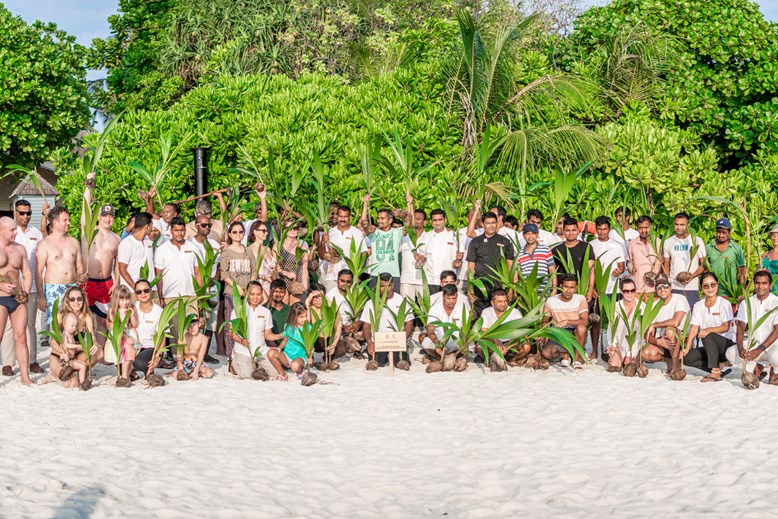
(10, 303)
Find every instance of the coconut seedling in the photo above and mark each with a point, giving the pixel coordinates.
(631, 323)
(87, 342)
(650, 309)
(240, 326)
(328, 316)
(421, 305)
(686, 276)
(356, 298)
(463, 334)
(183, 320)
(114, 336)
(157, 175)
(529, 291)
(145, 272)
(568, 265)
(377, 302)
(399, 319)
(161, 335)
(310, 334)
(203, 287)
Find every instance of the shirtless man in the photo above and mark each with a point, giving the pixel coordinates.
(59, 256)
(101, 262)
(15, 280)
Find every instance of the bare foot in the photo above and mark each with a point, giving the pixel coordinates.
(27, 381)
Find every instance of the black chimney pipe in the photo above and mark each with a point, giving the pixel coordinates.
(201, 170)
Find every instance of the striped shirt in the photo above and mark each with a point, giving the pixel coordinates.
(542, 257)
(560, 310)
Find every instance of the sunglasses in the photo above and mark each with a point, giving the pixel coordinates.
(628, 291)
(711, 285)
(662, 287)
(143, 291)
(236, 232)
(75, 298)
(205, 225)
(261, 230)
(24, 213)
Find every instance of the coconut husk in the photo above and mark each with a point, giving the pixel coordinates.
(66, 372)
(426, 360)
(260, 373)
(642, 371)
(543, 364)
(628, 266)
(518, 362)
(86, 385)
(457, 264)
(496, 364)
(435, 366)
(683, 277)
(594, 318)
(22, 297)
(313, 265)
(90, 182)
(309, 379)
(359, 336)
(449, 361)
(122, 382)
(296, 288)
(143, 195)
(155, 380)
(531, 362)
(613, 368)
(678, 374)
(749, 380)
(400, 214)
(332, 365)
(182, 375)
(352, 345)
(460, 364)
(404, 365)
(630, 370)
(371, 365)
(649, 278)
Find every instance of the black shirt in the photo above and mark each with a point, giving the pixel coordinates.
(577, 253)
(486, 253)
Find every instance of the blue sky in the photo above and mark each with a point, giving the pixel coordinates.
(88, 19)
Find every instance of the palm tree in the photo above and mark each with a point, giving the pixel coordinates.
(534, 120)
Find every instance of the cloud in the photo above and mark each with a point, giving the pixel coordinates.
(85, 20)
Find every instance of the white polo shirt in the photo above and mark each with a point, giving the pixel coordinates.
(30, 239)
(490, 316)
(409, 274)
(712, 317)
(387, 322)
(438, 313)
(758, 309)
(608, 253)
(342, 240)
(135, 254)
(258, 320)
(438, 297)
(440, 249)
(178, 267)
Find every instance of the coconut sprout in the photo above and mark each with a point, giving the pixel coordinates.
(113, 337)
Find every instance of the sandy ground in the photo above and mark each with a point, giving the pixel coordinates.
(472, 444)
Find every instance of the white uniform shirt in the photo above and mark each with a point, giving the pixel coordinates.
(516, 238)
(409, 274)
(438, 313)
(438, 297)
(135, 254)
(758, 309)
(344, 310)
(258, 320)
(679, 250)
(490, 316)
(147, 325)
(199, 249)
(440, 249)
(178, 267)
(342, 240)
(30, 239)
(712, 317)
(387, 321)
(608, 253)
(464, 244)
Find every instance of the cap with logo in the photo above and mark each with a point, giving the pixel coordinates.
(530, 227)
(723, 223)
(107, 209)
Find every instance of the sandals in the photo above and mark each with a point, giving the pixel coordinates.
(280, 378)
(713, 377)
(577, 365)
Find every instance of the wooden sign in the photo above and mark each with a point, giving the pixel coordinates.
(390, 341)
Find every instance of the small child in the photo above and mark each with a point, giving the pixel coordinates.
(291, 351)
(121, 305)
(70, 347)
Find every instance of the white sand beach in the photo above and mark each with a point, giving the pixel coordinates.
(472, 444)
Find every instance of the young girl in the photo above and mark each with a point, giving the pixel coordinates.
(121, 306)
(291, 352)
(68, 350)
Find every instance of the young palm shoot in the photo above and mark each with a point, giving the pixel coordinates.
(183, 320)
(651, 309)
(87, 342)
(157, 175)
(399, 318)
(378, 303)
(145, 272)
(310, 334)
(203, 287)
(631, 323)
(328, 318)
(114, 336)
(748, 379)
(161, 335)
(421, 305)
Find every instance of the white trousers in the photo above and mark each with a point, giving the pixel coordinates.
(770, 357)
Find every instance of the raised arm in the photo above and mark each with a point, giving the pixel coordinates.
(473, 219)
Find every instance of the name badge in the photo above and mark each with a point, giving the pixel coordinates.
(187, 252)
(149, 322)
(33, 238)
(450, 243)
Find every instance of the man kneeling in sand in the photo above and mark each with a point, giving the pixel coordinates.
(515, 354)
(449, 309)
(569, 311)
(664, 334)
(189, 362)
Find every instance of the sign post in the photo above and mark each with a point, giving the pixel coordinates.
(390, 342)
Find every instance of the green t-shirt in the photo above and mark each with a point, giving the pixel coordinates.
(279, 318)
(725, 264)
(385, 252)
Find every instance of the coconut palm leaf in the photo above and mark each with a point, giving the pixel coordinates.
(55, 332)
(239, 325)
(114, 336)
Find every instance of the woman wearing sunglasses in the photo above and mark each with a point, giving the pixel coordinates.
(712, 323)
(260, 243)
(625, 346)
(238, 268)
(74, 301)
(148, 314)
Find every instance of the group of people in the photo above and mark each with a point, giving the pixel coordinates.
(280, 275)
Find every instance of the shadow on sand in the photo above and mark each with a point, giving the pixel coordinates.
(79, 505)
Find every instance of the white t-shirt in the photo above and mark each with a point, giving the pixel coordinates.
(199, 249)
(387, 322)
(147, 325)
(409, 274)
(678, 250)
(344, 309)
(29, 239)
(258, 320)
(548, 239)
(178, 267)
(246, 228)
(490, 316)
(438, 313)
(329, 271)
(517, 239)
(677, 303)
(135, 254)
(440, 249)
(464, 244)
(716, 315)
(609, 253)
(758, 309)
(164, 230)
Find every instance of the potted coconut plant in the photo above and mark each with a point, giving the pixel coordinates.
(183, 320)
(309, 334)
(328, 315)
(649, 310)
(87, 342)
(114, 336)
(161, 335)
(377, 304)
(748, 379)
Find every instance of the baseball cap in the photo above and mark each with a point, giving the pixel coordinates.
(107, 209)
(774, 229)
(662, 279)
(723, 223)
(530, 227)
